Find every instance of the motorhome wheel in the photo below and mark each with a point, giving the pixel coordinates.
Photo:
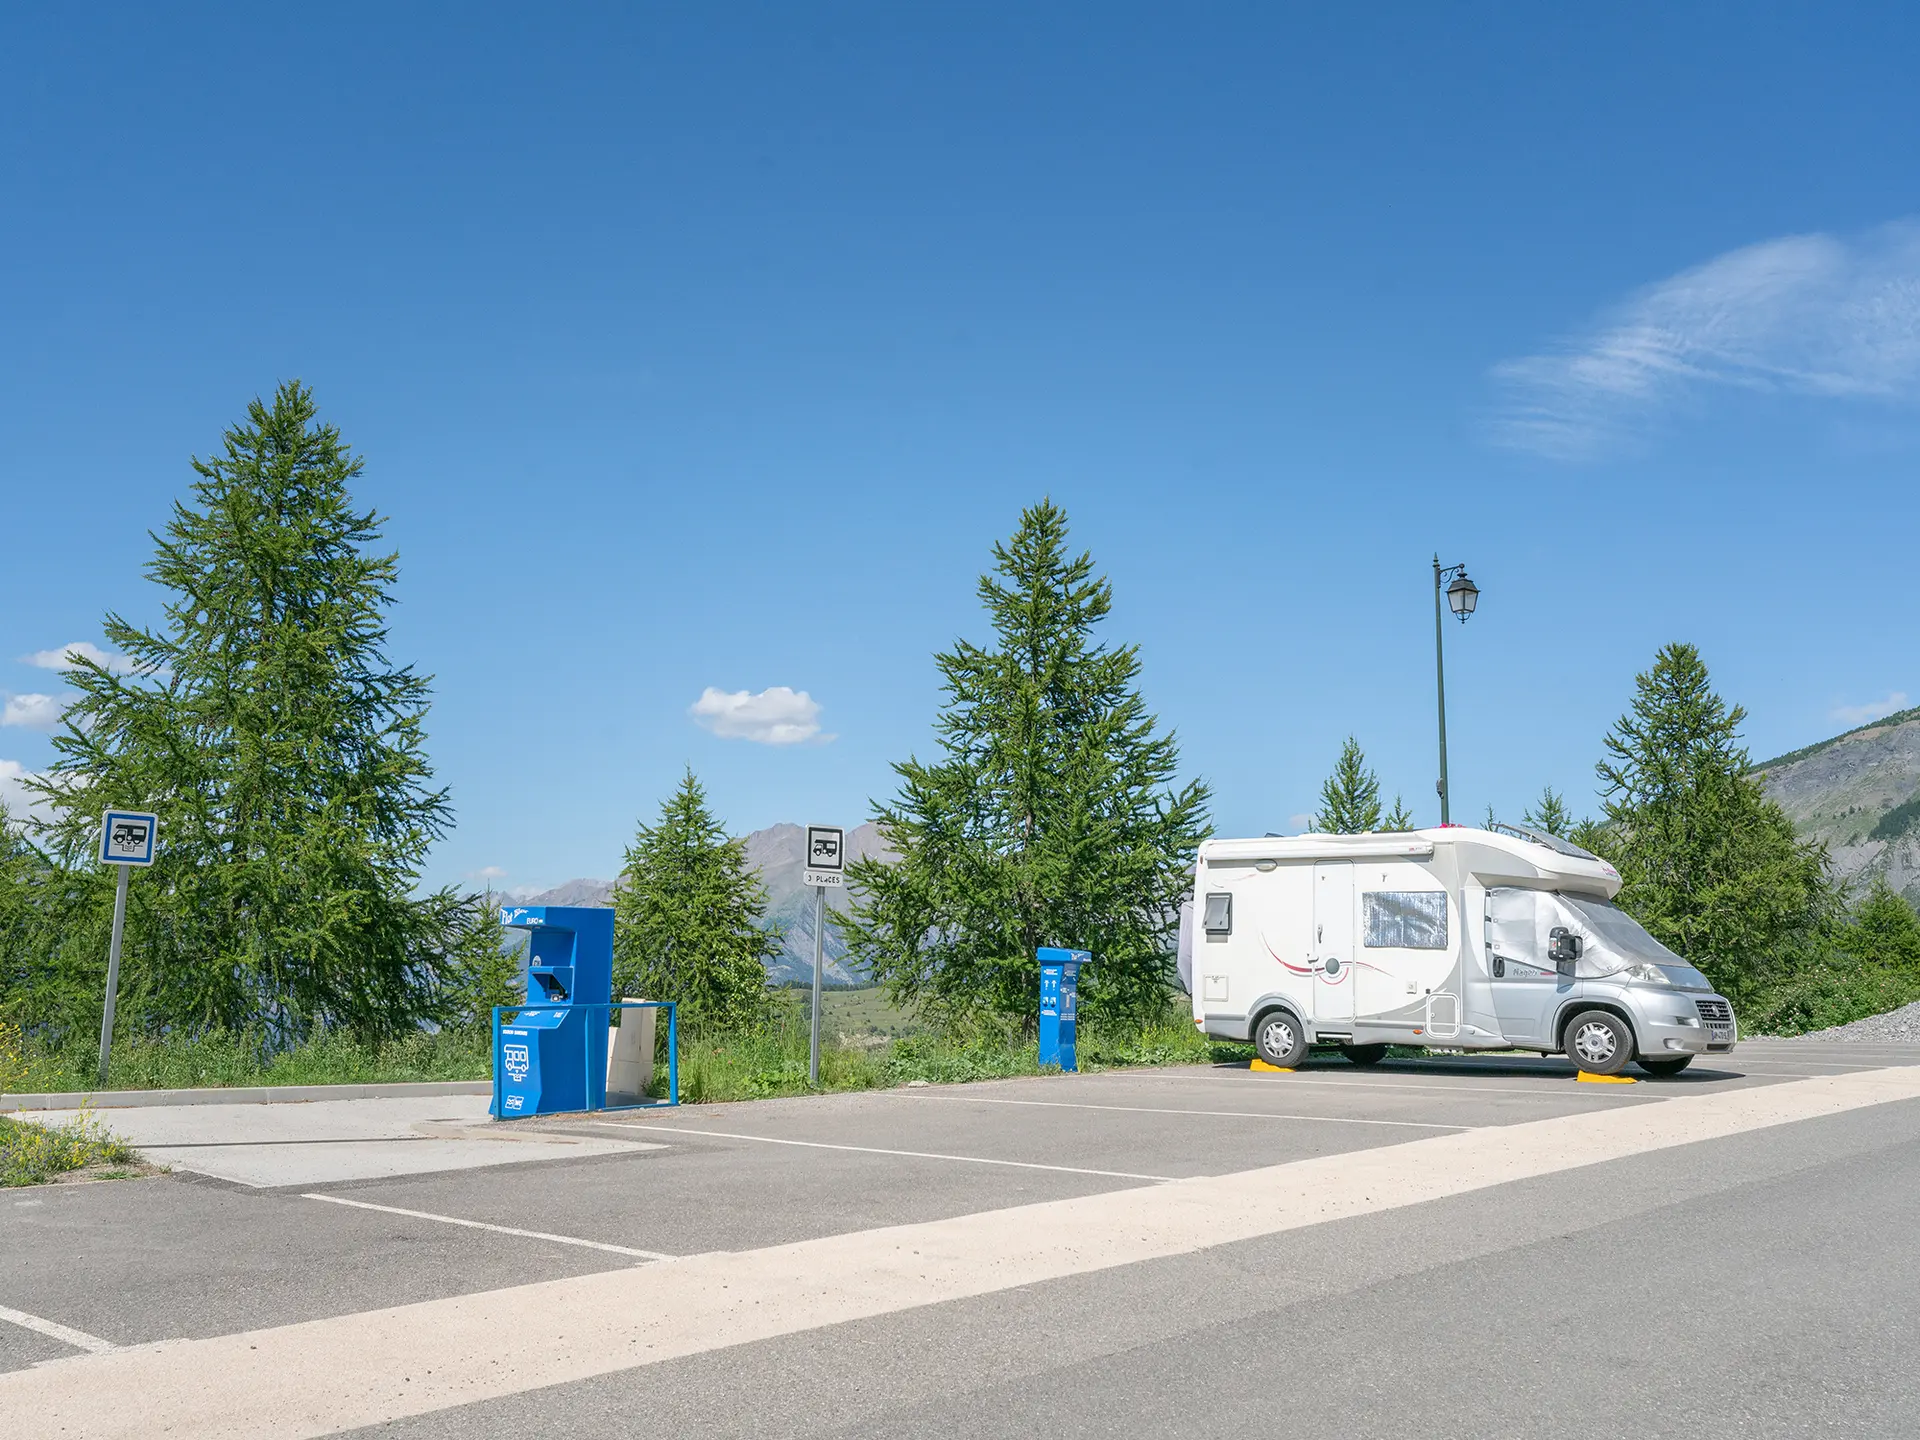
(1364, 1054)
(1666, 1067)
(1280, 1040)
(1599, 1043)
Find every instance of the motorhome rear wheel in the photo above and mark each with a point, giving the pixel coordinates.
(1666, 1067)
(1280, 1039)
(1364, 1054)
(1599, 1042)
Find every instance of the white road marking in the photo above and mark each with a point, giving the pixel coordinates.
(1564, 1085)
(917, 1097)
(318, 1377)
(875, 1150)
(54, 1330)
(496, 1229)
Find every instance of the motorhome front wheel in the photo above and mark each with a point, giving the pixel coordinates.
(1599, 1043)
(1280, 1040)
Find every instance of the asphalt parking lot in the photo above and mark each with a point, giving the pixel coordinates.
(194, 1256)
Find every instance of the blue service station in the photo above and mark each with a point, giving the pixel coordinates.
(551, 1058)
(1059, 1000)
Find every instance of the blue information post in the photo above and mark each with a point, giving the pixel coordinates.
(552, 1058)
(1059, 990)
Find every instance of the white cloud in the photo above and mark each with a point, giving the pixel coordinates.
(774, 716)
(1299, 824)
(1804, 314)
(61, 658)
(18, 802)
(32, 712)
(487, 872)
(1872, 710)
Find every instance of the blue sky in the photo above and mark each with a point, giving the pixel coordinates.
(711, 348)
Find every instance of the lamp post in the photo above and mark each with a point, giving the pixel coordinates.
(1462, 596)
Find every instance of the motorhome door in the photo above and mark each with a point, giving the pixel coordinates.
(1333, 942)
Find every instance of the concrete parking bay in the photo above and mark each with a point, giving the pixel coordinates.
(1470, 1245)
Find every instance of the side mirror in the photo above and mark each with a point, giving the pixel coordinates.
(1563, 948)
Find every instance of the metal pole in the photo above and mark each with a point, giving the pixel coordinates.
(819, 963)
(113, 969)
(673, 1053)
(1440, 680)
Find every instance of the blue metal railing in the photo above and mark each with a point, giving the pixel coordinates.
(601, 1052)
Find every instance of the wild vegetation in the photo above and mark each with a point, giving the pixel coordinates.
(284, 936)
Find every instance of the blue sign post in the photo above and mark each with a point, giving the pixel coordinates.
(1059, 991)
(552, 1058)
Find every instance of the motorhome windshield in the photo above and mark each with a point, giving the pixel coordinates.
(1611, 929)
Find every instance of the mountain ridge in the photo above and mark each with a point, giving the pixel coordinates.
(1859, 794)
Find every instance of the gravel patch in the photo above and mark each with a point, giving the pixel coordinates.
(1899, 1025)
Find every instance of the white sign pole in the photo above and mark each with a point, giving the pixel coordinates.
(113, 969)
(819, 964)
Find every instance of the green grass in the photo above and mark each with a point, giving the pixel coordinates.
(226, 1059)
(773, 1061)
(868, 1043)
(864, 1012)
(33, 1154)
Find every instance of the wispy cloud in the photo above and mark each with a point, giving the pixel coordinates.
(1872, 710)
(32, 712)
(774, 716)
(62, 658)
(487, 872)
(1811, 315)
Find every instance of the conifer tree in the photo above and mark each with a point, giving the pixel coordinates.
(1710, 865)
(1052, 816)
(1350, 797)
(1399, 818)
(483, 971)
(689, 918)
(282, 749)
(1550, 814)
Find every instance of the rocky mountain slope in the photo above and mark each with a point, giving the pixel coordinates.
(1860, 793)
(775, 855)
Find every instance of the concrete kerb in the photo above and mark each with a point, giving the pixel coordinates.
(239, 1095)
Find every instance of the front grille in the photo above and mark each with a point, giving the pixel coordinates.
(1715, 1012)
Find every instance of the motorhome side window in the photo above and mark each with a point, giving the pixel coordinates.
(1405, 919)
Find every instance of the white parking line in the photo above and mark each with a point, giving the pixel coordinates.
(496, 1229)
(54, 1330)
(917, 1097)
(1565, 1087)
(875, 1150)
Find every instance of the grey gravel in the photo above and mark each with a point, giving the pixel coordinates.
(1902, 1025)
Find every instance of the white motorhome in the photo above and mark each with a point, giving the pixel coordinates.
(1455, 938)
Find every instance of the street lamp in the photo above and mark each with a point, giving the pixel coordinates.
(1462, 596)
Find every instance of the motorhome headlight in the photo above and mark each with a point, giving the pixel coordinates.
(1644, 974)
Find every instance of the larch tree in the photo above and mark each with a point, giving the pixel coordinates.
(1550, 813)
(1053, 814)
(283, 750)
(690, 918)
(1709, 864)
(1350, 796)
